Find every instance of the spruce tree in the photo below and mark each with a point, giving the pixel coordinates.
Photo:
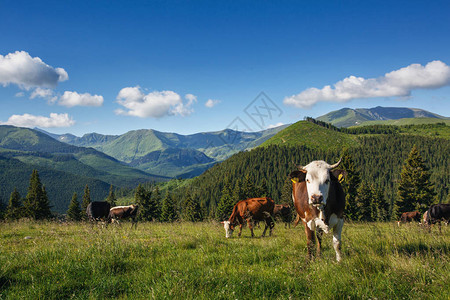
(111, 197)
(364, 200)
(36, 204)
(350, 185)
(192, 209)
(14, 208)
(168, 209)
(74, 211)
(248, 188)
(148, 207)
(85, 202)
(226, 203)
(415, 190)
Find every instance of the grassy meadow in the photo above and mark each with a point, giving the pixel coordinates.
(195, 261)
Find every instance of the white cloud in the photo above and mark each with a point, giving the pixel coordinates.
(155, 104)
(42, 93)
(20, 94)
(275, 125)
(71, 99)
(211, 103)
(29, 72)
(398, 83)
(27, 120)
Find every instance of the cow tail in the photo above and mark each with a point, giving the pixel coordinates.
(233, 214)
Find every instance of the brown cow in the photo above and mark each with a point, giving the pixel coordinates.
(124, 212)
(283, 212)
(409, 216)
(253, 209)
(319, 201)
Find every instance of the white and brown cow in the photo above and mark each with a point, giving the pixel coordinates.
(124, 212)
(319, 201)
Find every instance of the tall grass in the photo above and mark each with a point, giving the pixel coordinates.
(195, 261)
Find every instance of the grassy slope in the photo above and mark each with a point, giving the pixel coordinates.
(314, 136)
(407, 121)
(195, 261)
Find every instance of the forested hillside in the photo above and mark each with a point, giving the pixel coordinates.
(378, 159)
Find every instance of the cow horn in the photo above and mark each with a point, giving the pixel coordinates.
(336, 164)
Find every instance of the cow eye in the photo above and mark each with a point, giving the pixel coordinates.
(307, 180)
(327, 181)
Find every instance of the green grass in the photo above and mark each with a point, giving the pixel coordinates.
(195, 261)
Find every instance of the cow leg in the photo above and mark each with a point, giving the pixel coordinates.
(337, 231)
(310, 241)
(250, 226)
(319, 234)
(269, 224)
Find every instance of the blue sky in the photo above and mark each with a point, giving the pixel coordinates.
(114, 66)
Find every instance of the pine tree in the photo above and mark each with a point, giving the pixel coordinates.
(226, 203)
(192, 209)
(415, 190)
(14, 208)
(36, 204)
(86, 201)
(74, 211)
(148, 206)
(364, 200)
(350, 185)
(168, 209)
(111, 197)
(248, 188)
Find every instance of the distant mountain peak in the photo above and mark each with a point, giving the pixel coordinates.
(347, 117)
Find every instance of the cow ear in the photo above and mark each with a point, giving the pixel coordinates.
(298, 176)
(338, 175)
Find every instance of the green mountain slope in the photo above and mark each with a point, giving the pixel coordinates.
(33, 147)
(60, 185)
(313, 136)
(347, 117)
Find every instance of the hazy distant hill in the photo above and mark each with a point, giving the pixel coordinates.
(171, 154)
(347, 117)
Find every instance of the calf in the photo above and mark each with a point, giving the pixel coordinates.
(250, 210)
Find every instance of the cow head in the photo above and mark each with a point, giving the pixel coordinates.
(229, 228)
(318, 176)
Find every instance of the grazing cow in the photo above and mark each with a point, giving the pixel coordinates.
(124, 212)
(283, 212)
(319, 201)
(250, 210)
(437, 213)
(98, 211)
(409, 216)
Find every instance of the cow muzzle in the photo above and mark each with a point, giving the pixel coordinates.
(317, 200)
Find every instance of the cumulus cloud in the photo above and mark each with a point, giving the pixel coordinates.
(29, 72)
(71, 99)
(398, 83)
(211, 103)
(31, 121)
(154, 104)
(42, 93)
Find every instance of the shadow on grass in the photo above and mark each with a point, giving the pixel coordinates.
(423, 249)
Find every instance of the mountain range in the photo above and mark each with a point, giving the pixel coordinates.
(347, 117)
(171, 154)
